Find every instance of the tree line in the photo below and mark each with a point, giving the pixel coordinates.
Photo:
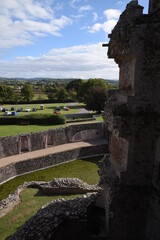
(92, 92)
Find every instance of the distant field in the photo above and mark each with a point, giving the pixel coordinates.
(87, 170)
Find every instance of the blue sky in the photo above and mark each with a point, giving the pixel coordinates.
(58, 38)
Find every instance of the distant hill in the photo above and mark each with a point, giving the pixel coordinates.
(12, 81)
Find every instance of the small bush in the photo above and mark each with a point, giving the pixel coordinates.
(39, 119)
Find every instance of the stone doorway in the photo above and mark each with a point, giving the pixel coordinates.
(50, 140)
(24, 144)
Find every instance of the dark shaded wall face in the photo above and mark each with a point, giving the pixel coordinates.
(154, 5)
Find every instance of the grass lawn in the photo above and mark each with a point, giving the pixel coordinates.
(48, 108)
(20, 214)
(12, 130)
(85, 169)
(99, 118)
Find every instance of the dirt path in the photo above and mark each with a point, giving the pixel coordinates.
(44, 152)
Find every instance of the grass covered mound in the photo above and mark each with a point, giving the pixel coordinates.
(39, 118)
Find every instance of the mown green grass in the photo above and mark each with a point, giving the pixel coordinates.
(31, 203)
(48, 108)
(85, 169)
(12, 130)
(99, 118)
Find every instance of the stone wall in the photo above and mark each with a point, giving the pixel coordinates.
(34, 141)
(57, 186)
(80, 218)
(18, 168)
(130, 175)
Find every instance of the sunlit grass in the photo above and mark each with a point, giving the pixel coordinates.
(12, 130)
(85, 169)
(31, 203)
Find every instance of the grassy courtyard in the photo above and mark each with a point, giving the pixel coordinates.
(85, 169)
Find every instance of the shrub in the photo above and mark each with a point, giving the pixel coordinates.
(41, 119)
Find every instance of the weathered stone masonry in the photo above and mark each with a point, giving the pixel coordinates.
(39, 140)
(32, 164)
(56, 186)
(132, 122)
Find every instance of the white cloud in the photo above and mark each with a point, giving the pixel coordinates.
(111, 16)
(21, 21)
(85, 8)
(84, 61)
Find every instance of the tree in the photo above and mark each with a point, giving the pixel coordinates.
(96, 98)
(74, 85)
(74, 88)
(87, 85)
(6, 93)
(62, 94)
(27, 92)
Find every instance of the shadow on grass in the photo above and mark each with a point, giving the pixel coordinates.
(93, 160)
(40, 193)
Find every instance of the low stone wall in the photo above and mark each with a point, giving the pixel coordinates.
(29, 165)
(64, 219)
(39, 140)
(56, 186)
(6, 205)
(68, 186)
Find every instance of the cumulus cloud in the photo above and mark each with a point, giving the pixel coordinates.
(111, 16)
(21, 21)
(83, 61)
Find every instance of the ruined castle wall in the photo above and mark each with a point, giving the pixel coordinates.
(73, 186)
(131, 173)
(39, 140)
(30, 165)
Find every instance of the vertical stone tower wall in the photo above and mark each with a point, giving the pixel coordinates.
(130, 175)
